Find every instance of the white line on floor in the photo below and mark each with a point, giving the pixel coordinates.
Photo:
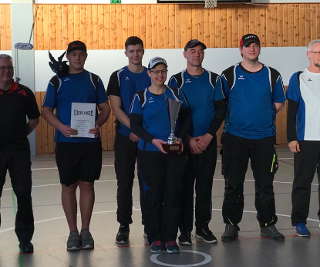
(111, 165)
(55, 168)
(103, 181)
(114, 211)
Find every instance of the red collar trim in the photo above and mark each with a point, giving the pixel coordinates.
(13, 87)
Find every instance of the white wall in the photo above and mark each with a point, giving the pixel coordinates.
(8, 52)
(103, 62)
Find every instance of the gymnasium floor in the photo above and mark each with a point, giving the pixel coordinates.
(250, 250)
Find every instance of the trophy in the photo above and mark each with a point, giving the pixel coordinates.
(173, 145)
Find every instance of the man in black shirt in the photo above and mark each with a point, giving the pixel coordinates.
(16, 103)
(123, 85)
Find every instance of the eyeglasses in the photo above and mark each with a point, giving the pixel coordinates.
(159, 71)
(2, 68)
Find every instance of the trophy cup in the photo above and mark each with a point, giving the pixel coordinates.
(173, 145)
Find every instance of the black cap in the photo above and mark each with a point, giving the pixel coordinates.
(193, 43)
(248, 39)
(76, 45)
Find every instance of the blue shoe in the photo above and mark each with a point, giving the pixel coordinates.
(156, 247)
(302, 230)
(172, 247)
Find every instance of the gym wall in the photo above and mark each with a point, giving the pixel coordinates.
(284, 29)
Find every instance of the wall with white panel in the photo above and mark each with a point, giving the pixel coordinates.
(103, 62)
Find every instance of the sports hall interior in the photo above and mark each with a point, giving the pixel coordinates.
(164, 28)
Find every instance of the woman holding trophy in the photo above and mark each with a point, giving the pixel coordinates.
(161, 123)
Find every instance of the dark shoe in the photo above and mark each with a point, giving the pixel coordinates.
(272, 232)
(87, 241)
(206, 235)
(156, 247)
(26, 248)
(74, 241)
(230, 233)
(172, 247)
(122, 238)
(185, 239)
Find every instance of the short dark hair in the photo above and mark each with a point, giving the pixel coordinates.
(76, 45)
(5, 56)
(133, 40)
(193, 43)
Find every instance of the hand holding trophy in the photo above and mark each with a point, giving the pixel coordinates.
(173, 145)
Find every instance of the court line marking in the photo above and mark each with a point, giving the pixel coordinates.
(136, 209)
(111, 165)
(55, 168)
(113, 181)
(206, 260)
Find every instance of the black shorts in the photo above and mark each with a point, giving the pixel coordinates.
(78, 162)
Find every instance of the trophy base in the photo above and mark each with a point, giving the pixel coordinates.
(172, 148)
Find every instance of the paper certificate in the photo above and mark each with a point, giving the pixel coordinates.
(83, 118)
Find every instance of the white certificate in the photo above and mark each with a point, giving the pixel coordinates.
(83, 118)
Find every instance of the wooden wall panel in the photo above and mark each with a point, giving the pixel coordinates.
(170, 26)
(5, 27)
(167, 25)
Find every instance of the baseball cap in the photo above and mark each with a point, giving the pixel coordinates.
(76, 45)
(156, 61)
(193, 43)
(248, 39)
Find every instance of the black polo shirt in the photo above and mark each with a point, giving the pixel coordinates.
(16, 104)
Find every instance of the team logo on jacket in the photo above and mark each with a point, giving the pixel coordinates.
(66, 79)
(150, 100)
(188, 81)
(241, 77)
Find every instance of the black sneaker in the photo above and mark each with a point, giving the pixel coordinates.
(172, 247)
(74, 241)
(156, 246)
(230, 233)
(206, 235)
(122, 238)
(185, 239)
(26, 248)
(87, 241)
(272, 232)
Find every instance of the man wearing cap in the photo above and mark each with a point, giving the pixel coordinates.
(123, 85)
(303, 134)
(16, 103)
(201, 90)
(79, 159)
(255, 93)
